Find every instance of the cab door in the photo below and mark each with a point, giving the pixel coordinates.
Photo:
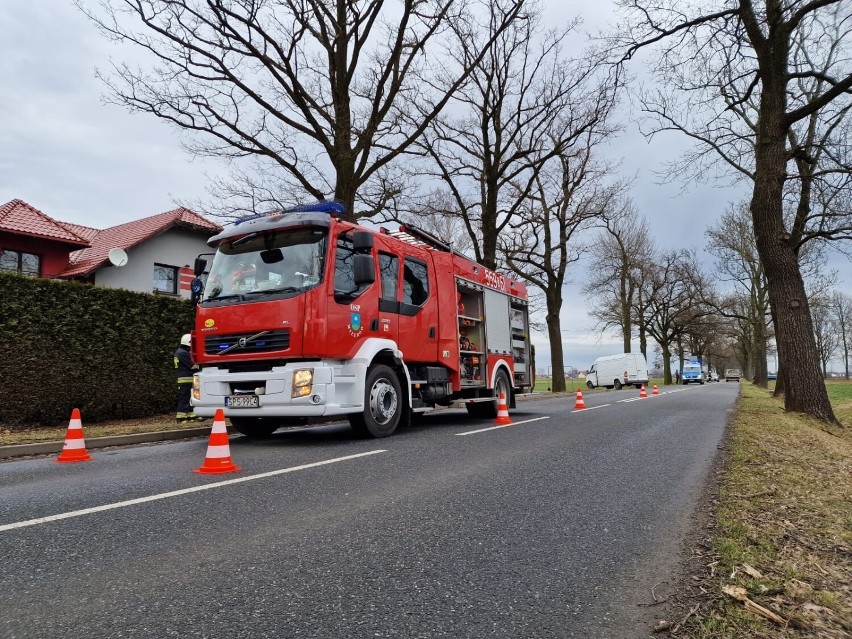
(388, 326)
(353, 312)
(418, 311)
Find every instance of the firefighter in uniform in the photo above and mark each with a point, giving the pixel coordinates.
(184, 369)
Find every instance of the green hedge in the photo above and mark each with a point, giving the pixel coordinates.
(65, 345)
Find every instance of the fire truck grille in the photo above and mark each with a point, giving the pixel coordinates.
(242, 343)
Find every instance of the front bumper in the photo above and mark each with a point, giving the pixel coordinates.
(337, 389)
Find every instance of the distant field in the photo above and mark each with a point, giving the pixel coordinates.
(545, 385)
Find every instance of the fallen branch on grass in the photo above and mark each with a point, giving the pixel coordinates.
(691, 612)
(740, 594)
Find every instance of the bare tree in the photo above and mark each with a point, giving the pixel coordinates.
(672, 292)
(731, 241)
(525, 105)
(704, 335)
(619, 254)
(436, 214)
(841, 309)
(311, 89)
(745, 50)
(825, 331)
(568, 194)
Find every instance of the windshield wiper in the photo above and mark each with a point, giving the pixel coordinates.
(230, 296)
(283, 289)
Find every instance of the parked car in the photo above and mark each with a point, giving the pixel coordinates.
(771, 376)
(732, 375)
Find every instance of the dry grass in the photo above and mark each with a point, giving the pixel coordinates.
(784, 525)
(156, 424)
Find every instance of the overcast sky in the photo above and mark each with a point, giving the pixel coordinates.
(78, 159)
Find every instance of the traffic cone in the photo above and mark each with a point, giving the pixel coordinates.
(580, 404)
(656, 390)
(218, 459)
(503, 411)
(643, 394)
(74, 449)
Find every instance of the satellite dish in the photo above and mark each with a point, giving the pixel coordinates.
(117, 257)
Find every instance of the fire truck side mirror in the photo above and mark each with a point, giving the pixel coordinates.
(362, 241)
(365, 269)
(199, 266)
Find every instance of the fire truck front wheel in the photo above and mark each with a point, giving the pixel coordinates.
(255, 427)
(383, 404)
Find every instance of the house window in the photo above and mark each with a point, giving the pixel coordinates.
(20, 262)
(165, 279)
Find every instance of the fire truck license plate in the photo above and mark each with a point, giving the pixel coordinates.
(242, 401)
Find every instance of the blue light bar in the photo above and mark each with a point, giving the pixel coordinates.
(332, 207)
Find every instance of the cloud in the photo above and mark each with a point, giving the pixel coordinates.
(62, 149)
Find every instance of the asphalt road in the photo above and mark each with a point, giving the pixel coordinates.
(559, 525)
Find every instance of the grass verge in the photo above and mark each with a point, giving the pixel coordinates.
(9, 436)
(781, 561)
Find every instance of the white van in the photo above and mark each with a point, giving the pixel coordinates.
(615, 371)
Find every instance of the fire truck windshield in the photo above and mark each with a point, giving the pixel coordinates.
(285, 262)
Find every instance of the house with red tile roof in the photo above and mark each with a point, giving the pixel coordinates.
(150, 255)
(32, 243)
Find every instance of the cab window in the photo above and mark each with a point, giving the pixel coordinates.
(415, 283)
(344, 271)
(389, 267)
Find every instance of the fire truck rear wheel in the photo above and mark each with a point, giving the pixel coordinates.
(255, 427)
(383, 404)
(488, 410)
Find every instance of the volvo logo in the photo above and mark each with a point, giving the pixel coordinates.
(242, 342)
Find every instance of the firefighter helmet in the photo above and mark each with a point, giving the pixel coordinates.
(186, 339)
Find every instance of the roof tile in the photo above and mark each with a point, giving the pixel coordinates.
(18, 217)
(126, 236)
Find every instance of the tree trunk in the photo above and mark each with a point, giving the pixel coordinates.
(554, 333)
(759, 353)
(626, 304)
(779, 381)
(488, 225)
(667, 364)
(805, 388)
(344, 192)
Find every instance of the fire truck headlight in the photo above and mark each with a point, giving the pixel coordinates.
(196, 387)
(303, 380)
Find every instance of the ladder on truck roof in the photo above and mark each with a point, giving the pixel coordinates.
(418, 237)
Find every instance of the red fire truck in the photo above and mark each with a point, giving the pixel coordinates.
(304, 314)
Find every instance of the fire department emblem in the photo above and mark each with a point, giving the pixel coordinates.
(355, 324)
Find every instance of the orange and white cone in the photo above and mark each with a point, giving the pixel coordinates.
(580, 404)
(218, 459)
(74, 449)
(656, 390)
(643, 394)
(503, 411)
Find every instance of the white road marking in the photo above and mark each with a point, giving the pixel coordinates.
(482, 430)
(581, 410)
(183, 491)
